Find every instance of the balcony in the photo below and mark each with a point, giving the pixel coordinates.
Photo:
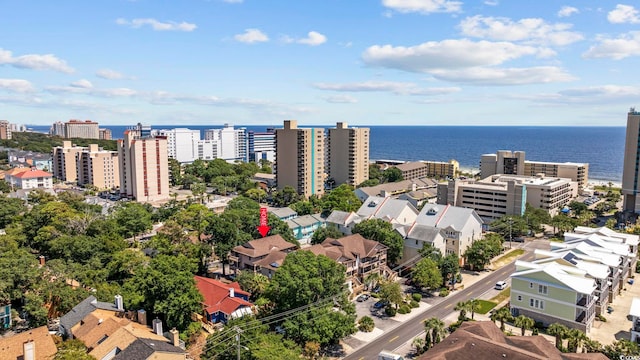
(581, 317)
(636, 325)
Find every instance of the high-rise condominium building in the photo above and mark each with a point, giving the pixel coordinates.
(86, 165)
(348, 154)
(65, 161)
(77, 129)
(261, 145)
(5, 130)
(300, 158)
(98, 167)
(181, 143)
(232, 143)
(514, 163)
(144, 168)
(104, 134)
(631, 167)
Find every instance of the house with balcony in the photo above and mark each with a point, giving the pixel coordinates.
(343, 221)
(592, 266)
(589, 250)
(248, 255)
(361, 257)
(610, 237)
(553, 293)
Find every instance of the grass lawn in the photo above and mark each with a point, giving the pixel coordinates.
(485, 306)
(502, 296)
(506, 258)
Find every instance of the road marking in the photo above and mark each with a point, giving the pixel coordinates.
(448, 306)
(488, 281)
(362, 358)
(394, 338)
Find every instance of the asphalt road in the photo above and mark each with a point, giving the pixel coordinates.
(411, 328)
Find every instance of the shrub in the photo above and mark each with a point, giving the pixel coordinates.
(366, 324)
(414, 304)
(454, 326)
(404, 309)
(535, 331)
(390, 311)
(444, 292)
(375, 295)
(538, 325)
(416, 297)
(601, 318)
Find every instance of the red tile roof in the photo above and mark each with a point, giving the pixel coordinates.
(33, 173)
(216, 295)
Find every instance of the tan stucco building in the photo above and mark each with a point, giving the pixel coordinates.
(300, 157)
(98, 167)
(630, 166)
(82, 129)
(348, 154)
(64, 161)
(144, 168)
(514, 163)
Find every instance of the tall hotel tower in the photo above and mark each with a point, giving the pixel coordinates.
(630, 170)
(300, 158)
(348, 154)
(144, 168)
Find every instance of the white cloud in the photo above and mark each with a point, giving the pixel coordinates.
(531, 30)
(16, 85)
(109, 74)
(157, 25)
(233, 1)
(35, 62)
(567, 11)
(447, 54)
(313, 38)
(603, 94)
(76, 88)
(619, 48)
(423, 6)
(491, 2)
(340, 99)
(508, 76)
(396, 87)
(251, 36)
(623, 14)
(82, 83)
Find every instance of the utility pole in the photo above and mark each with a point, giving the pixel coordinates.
(238, 332)
(510, 224)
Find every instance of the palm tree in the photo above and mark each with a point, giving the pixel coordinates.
(372, 279)
(419, 344)
(474, 305)
(435, 327)
(524, 323)
(502, 315)
(576, 338)
(559, 331)
(591, 346)
(462, 306)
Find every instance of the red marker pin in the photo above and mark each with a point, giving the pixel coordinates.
(263, 228)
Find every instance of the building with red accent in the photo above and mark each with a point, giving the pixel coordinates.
(144, 166)
(223, 301)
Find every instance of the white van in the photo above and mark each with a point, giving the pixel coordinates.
(385, 355)
(501, 285)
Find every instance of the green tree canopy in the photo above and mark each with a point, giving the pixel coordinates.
(382, 232)
(132, 218)
(425, 274)
(322, 234)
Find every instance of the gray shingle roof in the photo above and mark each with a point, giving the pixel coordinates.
(384, 208)
(445, 216)
(424, 233)
(84, 308)
(142, 349)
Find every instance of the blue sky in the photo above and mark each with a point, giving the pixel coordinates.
(366, 62)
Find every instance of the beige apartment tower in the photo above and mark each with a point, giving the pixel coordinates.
(300, 158)
(64, 161)
(81, 129)
(348, 154)
(5, 130)
(98, 167)
(630, 173)
(144, 168)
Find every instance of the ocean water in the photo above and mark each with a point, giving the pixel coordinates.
(601, 147)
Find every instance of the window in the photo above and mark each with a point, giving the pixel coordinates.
(519, 297)
(535, 303)
(530, 285)
(542, 289)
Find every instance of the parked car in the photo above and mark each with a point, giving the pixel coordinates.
(380, 304)
(363, 297)
(501, 285)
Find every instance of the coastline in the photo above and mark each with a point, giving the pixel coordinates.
(591, 182)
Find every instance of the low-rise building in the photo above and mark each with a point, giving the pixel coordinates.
(222, 302)
(245, 256)
(634, 313)
(29, 178)
(71, 319)
(553, 293)
(305, 226)
(397, 188)
(34, 344)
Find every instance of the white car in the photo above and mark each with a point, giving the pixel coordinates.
(501, 285)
